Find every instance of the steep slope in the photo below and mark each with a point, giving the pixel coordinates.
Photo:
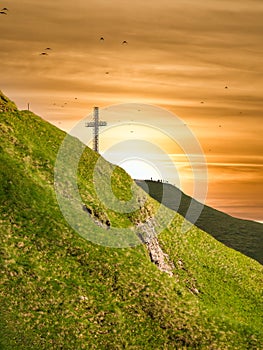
(59, 290)
(243, 235)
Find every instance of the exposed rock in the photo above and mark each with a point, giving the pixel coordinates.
(87, 209)
(194, 290)
(97, 218)
(147, 234)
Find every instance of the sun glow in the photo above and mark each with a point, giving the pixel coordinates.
(140, 169)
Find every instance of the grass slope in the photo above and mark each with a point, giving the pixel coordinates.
(60, 291)
(243, 235)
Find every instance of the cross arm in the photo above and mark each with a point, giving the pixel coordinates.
(92, 124)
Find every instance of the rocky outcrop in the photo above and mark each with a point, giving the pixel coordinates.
(146, 232)
(98, 218)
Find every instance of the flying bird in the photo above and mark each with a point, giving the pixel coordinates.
(3, 13)
(124, 42)
(101, 39)
(43, 54)
(226, 87)
(48, 48)
(5, 9)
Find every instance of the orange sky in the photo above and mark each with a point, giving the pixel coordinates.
(181, 56)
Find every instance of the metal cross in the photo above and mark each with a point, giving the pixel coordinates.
(95, 125)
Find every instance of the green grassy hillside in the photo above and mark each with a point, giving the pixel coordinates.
(243, 235)
(59, 290)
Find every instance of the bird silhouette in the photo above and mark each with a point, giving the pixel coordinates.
(43, 54)
(48, 48)
(124, 42)
(3, 13)
(4, 9)
(101, 39)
